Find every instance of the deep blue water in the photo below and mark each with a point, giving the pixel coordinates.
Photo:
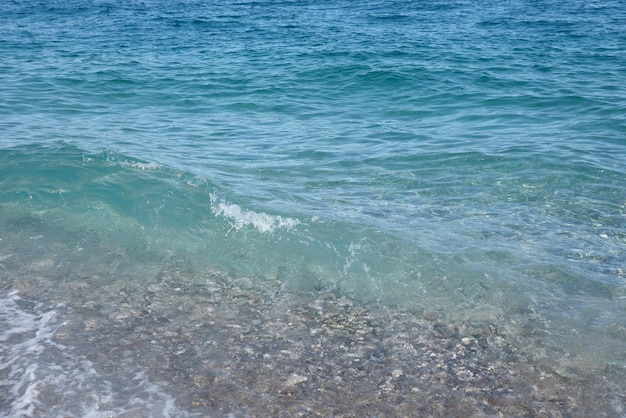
(463, 159)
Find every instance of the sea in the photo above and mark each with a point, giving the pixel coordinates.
(312, 208)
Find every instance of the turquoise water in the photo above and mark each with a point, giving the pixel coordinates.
(457, 160)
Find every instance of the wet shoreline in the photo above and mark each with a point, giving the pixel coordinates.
(226, 346)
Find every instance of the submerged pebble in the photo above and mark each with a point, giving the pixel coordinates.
(243, 347)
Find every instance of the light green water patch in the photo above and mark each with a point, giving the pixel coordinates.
(61, 209)
(212, 340)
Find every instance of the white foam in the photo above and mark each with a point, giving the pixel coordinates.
(47, 379)
(261, 221)
(24, 337)
(138, 165)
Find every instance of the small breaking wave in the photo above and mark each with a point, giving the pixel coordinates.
(139, 165)
(240, 218)
(119, 160)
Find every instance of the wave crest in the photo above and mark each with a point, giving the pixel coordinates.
(263, 222)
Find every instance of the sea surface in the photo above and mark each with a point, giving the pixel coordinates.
(193, 193)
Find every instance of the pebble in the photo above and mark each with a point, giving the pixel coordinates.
(295, 379)
(237, 341)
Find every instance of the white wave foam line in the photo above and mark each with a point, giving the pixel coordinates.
(261, 221)
(139, 166)
(114, 159)
(38, 369)
(46, 379)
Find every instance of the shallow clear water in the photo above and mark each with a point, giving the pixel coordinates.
(459, 161)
